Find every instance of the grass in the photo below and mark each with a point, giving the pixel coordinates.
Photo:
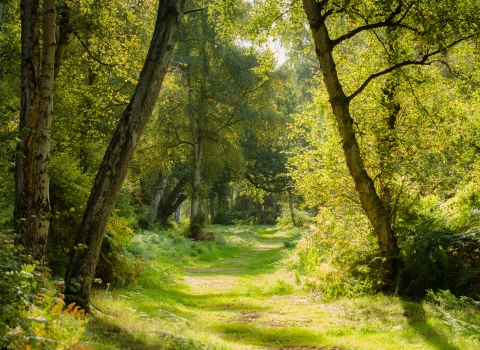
(238, 294)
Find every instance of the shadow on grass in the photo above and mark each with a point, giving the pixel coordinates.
(272, 337)
(417, 320)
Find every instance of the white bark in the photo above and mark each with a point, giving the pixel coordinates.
(119, 154)
(43, 140)
(159, 193)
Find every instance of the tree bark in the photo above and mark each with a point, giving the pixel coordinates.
(159, 192)
(1, 15)
(118, 157)
(259, 213)
(197, 177)
(371, 202)
(64, 32)
(275, 208)
(290, 205)
(43, 139)
(24, 213)
(173, 201)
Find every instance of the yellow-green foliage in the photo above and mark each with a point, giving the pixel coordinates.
(302, 219)
(339, 258)
(31, 307)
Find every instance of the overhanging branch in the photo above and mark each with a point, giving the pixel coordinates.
(194, 10)
(423, 61)
(388, 22)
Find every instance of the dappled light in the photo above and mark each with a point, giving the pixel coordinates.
(262, 175)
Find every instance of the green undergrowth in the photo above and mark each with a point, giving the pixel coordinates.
(237, 292)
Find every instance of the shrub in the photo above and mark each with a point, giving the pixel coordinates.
(115, 265)
(223, 219)
(302, 219)
(197, 224)
(439, 259)
(69, 191)
(143, 220)
(31, 306)
(339, 258)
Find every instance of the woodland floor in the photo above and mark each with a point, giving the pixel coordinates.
(244, 297)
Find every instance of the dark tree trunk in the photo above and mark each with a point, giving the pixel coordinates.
(1, 18)
(259, 213)
(340, 103)
(275, 207)
(25, 208)
(171, 203)
(118, 157)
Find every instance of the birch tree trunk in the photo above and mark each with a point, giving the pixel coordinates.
(159, 193)
(114, 167)
(371, 202)
(43, 139)
(24, 213)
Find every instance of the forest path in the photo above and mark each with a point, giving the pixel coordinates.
(243, 295)
(251, 299)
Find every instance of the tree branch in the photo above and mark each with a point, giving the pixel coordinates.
(422, 61)
(388, 22)
(194, 10)
(85, 46)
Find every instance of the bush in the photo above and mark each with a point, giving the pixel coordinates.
(223, 219)
(197, 224)
(339, 258)
(115, 265)
(302, 219)
(69, 191)
(143, 220)
(16, 285)
(31, 306)
(439, 259)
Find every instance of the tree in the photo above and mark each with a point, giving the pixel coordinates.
(32, 204)
(401, 16)
(117, 159)
(219, 86)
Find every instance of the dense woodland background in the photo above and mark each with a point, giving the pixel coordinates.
(368, 134)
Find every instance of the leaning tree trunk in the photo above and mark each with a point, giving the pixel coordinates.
(340, 103)
(171, 203)
(118, 157)
(25, 211)
(43, 138)
(159, 192)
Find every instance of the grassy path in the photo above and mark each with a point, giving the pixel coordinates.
(241, 296)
